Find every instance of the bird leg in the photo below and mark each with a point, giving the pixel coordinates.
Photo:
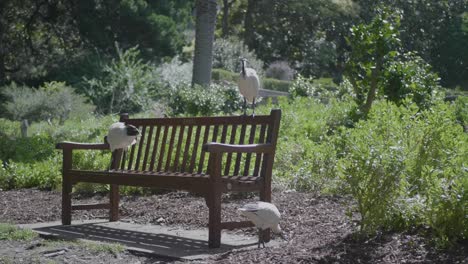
(253, 107)
(260, 238)
(245, 106)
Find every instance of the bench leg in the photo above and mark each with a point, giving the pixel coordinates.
(214, 222)
(114, 198)
(66, 201)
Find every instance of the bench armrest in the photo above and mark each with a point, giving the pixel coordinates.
(76, 145)
(214, 147)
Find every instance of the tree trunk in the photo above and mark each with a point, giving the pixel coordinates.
(204, 37)
(249, 29)
(24, 128)
(225, 25)
(373, 87)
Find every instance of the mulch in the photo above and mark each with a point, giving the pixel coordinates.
(318, 227)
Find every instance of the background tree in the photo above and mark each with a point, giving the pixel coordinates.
(204, 38)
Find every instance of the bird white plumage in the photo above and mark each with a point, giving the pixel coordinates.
(249, 84)
(121, 136)
(264, 215)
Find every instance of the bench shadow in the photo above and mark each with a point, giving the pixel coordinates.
(158, 244)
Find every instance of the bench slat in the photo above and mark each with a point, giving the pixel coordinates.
(163, 147)
(202, 154)
(148, 146)
(239, 155)
(141, 143)
(249, 155)
(229, 155)
(209, 121)
(155, 147)
(170, 149)
(258, 157)
(180, 139)
(195, 149)
(187, 148)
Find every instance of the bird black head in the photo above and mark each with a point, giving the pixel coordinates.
(132, 130)
(243, 62)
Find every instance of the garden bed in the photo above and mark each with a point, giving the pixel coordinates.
(318, 228)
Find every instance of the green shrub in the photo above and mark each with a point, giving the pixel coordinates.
(175, 72)
(323, 89)
(30, 149)
(53, 100)
(125, 85)
(276, 85)
(45, 174)
(461, 111)
(307, 152)
(187, 100)
(406, 167)
(219, 75)
(227, 54)
(280, 70)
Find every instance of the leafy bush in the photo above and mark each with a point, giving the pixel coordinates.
(54, 100)
(125, 84)
(307, 153)
(45, 174)
(175, 72)
(227, 54)
(29, 149)
(275, 85)
(323, 89)
(410, 77)
(205, 100)
(405, 167)
(319, 57)
(280, 70)
(219, 75)
(461, 111)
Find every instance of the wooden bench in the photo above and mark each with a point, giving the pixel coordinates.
(204, 155)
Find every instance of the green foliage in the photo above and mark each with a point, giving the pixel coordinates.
(173, 73)
(375, 67)
(228, 52)
(125, 84)
(39, 39)
(200, 100)
(461, 111)
(280, 70)
(276, 85)
(53, 100)
(219, 75)
(29, 149)
(45, 174)
(410, 77)
(11, 232)
(406, 167)
(372, 45)
(307, 153)
(323, 89)
(304, 33)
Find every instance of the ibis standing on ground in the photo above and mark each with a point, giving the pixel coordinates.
(121, 136)
(249, 85)
(264, 215)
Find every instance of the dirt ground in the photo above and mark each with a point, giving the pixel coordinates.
(318, 229)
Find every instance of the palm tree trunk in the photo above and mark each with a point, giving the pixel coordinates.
(204, 37)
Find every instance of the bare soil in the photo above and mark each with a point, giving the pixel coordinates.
(318, 228)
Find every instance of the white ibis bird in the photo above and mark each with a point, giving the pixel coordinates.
(121, 135)
(249, 85)
(264, 215)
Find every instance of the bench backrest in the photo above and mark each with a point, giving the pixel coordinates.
(175, 144)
